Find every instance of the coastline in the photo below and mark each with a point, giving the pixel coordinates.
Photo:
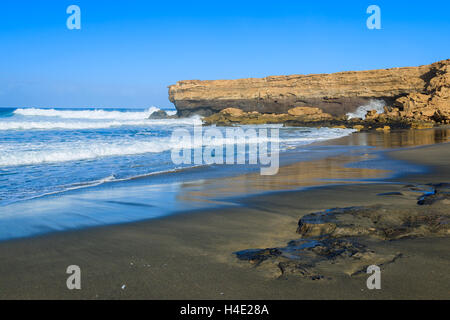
(190, 254)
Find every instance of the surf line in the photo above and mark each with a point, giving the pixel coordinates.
(208, 146)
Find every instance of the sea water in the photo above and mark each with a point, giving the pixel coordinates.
(65, 169)
(47, 151)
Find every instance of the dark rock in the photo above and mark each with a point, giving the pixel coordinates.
(307, 258)
(256, 256)
(160, 114)
(338, 240)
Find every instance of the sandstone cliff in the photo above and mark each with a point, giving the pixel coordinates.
(406, 91)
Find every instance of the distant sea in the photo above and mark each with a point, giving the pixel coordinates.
(47, 151)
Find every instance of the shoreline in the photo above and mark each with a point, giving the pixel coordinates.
(190, 254)
(104, 203)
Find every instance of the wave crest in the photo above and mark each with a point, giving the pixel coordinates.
(25, 154)
(97, 114)
(81, 125)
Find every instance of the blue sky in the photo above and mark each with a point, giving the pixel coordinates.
(128, 52)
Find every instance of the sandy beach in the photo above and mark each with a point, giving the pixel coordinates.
(224, 158)
(190, 255)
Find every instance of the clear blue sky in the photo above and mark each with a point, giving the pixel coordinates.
(128, 52)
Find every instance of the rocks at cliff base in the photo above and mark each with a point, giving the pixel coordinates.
(309, 113)
(358, 127)
(307, 117)
(431, 105)
(347, 240)
(230, 116)
(233, 112)
(384, 129)
(371, 114)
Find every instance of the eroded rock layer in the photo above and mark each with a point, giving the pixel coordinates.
(405, 90)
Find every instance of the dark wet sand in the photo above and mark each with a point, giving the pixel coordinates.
(190, 255)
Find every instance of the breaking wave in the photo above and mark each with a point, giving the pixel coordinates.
(96, 114)
(361, 111)
(19, 155)
(80, 125)
(43, 151)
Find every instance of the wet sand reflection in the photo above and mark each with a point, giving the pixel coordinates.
(298, 175)
(397, 138)
(332, 170)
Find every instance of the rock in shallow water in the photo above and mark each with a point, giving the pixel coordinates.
(160, 114)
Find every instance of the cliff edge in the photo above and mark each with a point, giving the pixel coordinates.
(421, 93)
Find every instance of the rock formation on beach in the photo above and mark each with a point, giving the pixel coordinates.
(411, 93)
(348, 240)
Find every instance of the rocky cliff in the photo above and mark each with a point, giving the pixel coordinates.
(406, 91)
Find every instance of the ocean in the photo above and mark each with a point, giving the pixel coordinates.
(62, 169)
(46, 151)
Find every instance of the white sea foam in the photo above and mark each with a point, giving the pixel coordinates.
(79, 125)
(171, 112)
(79, 151)
(90, 114)
(33, 154)
(361, 111)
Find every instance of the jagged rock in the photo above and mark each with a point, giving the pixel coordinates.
(433, 103)
(228, 119)
(371, 114)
